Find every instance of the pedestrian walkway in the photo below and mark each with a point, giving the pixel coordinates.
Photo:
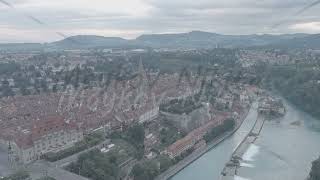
(42, 168)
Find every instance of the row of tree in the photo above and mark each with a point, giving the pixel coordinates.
(149, 169)
(300, 85)
(24, 175)
(227, 125)
(96, 166)
(315, 170)
(100, 166)
(89, 141)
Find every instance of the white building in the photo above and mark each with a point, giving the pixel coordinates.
(244, 97)
(50, 135)
(149, 115)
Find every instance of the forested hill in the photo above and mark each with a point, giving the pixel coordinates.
(193, 40)
(315, 171)
(299, 85)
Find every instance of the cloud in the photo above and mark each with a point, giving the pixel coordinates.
(90, 7)
(131, 18)
(234, 4)
(308, 7)
(313, 27)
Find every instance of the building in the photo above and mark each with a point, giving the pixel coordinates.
(149, 115)
(225, 102)
(194, 119)
(37, 124)
(149, 141)
(51, 134)
(180, 146)
(195, 138)
(244, 97)
(272, 107)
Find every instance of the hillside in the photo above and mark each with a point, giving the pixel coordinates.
(199, 39)
(299, 85)
(90, 41)
(21, 47)
(315, 171)
(194, 39)
(310, 41)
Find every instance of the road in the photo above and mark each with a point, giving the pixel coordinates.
(42, 168)
(64, 162)
(55, 169)
(4, 164)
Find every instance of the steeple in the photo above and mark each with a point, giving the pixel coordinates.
(143, 76)
(142, 72)
(11, 158)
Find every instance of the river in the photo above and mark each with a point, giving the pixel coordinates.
(282, 152)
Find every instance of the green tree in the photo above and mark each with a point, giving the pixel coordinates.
(9, 68)
(135, 135)
(55, 88)
(315, 170)
(44, 85)
(24, 91)
(227, 125)
(19, 175)
(46, 178)
(7, 91)
(165, 163)
(145, 171)
(96, 166)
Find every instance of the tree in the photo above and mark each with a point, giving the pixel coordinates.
(24, 91)
(145, 171)
(56, 64)
(9, 68)
(44, 85)
(135, 135)
(46, 178)
(138, 171)
(299, 87)
(227, 125)
(31, 68)
(55, 88)
(5, 83)
(7, 91)
(96, 166)
(165, 163)
(315, 170)
(19, 175)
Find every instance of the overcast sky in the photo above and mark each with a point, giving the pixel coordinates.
(131, 18)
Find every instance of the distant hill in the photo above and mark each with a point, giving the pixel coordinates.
(194, 39)
(310, 41)
(199, 39)
(315, 170)
(89, 41)
(21, 47)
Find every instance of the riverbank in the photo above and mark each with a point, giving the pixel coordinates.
(231, 168)
(199, 152)
(283, 151)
